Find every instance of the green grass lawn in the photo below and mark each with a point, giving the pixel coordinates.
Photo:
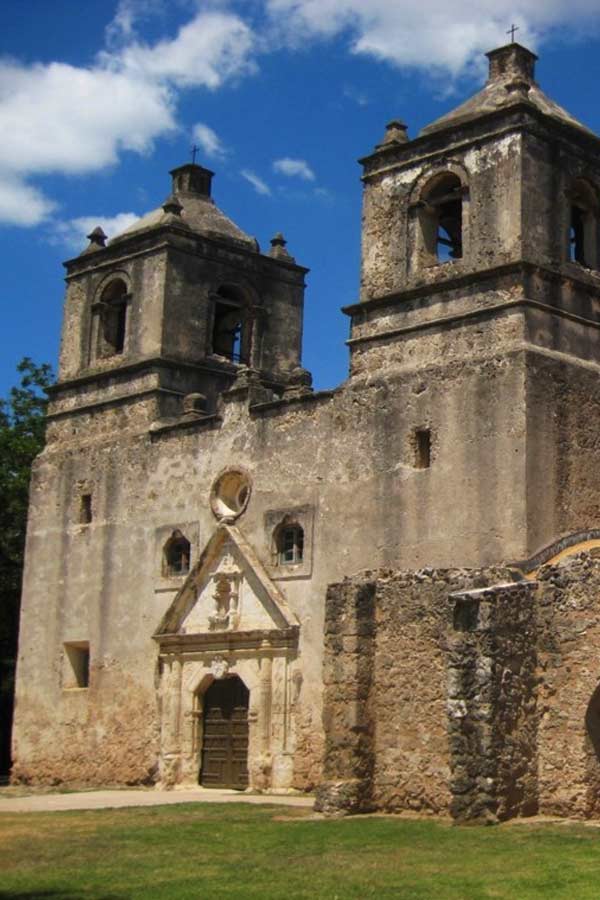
(243, 851)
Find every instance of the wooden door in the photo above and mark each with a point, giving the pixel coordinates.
(225, 735)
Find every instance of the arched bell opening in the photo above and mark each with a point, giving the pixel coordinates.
(231, 325)
(438, 219)
(113, 319)
(109, 324)
(583, 225)
(442, 218)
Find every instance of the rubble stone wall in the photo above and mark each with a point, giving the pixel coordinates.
(385, 689)
(464, 691)
(569, 674)
(492, 713)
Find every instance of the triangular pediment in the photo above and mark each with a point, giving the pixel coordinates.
(228, 590)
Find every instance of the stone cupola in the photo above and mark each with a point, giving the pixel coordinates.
(192, 179)
(513, 61)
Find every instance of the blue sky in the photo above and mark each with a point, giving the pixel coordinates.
(99, 100)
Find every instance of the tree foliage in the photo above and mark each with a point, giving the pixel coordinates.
(22, 427)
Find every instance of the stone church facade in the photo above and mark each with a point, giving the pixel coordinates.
(386, 591)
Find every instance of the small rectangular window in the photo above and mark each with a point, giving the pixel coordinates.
(76, 670)
(422, 448)
(85, 511)
(290, 545)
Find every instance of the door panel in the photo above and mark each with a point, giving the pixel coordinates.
(225, 735)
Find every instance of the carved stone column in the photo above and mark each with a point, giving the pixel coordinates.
(255, 319)
(170, 721)
(266, 699)
(262, 768)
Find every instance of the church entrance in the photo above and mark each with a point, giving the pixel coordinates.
(225, 735)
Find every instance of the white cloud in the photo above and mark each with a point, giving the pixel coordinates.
(73, 233)
(128, 14)
(209, 141)
(21, 204)
(432, 34)
(58, 118)
(260, 186)
(294, 168)
(207, 51)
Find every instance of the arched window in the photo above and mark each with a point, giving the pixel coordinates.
(441, 218)
(176, 555)
(112, 319)
(288, 544)
(583, 228)
(230, 334)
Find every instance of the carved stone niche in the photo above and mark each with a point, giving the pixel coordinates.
(226, 597)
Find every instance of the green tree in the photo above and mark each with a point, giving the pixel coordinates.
(22, 428)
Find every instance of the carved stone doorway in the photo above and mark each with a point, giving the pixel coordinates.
(224, 761)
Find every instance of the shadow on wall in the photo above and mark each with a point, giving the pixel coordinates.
(592, 727)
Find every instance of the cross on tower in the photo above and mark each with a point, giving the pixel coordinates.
(511, 31)
(194, 152)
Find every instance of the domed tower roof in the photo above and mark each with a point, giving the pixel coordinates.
(511, 80)
(192, 203)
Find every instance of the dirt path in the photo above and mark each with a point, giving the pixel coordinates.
(112, 799)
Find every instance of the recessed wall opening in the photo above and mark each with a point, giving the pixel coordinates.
(85, 509)
(176, 555)
(289, 544)
(583, 226)
(230, 336)
(76, 670)
(230, 494)
(113, 319)
(577, 235)
(422, 448)
(442, 218)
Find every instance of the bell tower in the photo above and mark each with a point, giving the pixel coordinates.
(173, 307)
(480, 282)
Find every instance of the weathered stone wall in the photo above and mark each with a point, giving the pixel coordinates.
(385, 689)
(492, 711)
(101, 582)
(462, 691)
(563, 458)
(410, 745)
(196, 270)
(546, 222)
(490, 168)
(349, 713)
(569, 672)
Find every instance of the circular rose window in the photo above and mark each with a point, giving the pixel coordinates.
(230, 494)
